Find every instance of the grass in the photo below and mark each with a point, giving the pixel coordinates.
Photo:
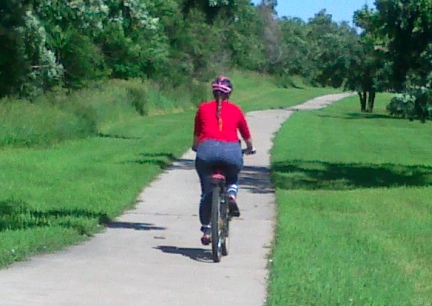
(257, 92)
(58, 196)
(62, 192)
(354, 210)
(60, 116)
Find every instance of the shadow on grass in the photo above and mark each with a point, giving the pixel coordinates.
(197, 254)
(338, 176)
(17, 215)
(160, 159)
(359, 116)
(102, 135)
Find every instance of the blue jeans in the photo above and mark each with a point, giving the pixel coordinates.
(227, 157)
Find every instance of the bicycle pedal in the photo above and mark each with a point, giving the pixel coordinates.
(235, 214)
(205, 240)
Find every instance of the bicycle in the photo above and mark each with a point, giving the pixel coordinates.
(220, 216)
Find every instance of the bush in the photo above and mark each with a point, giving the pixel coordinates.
(284, 81)
(416, 103)
(402, 105)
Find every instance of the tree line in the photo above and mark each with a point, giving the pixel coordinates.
(70, 43)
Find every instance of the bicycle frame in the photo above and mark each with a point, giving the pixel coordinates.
(219, 216)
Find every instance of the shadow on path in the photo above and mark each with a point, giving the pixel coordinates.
(182, 164)
(138, 226)
(255, 180)
(197, 254)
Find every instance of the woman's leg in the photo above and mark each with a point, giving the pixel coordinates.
(233, 159)
(204, 173)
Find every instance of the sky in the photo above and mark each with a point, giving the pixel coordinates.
(341, 10)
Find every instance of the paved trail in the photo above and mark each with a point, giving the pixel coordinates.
(152, 255)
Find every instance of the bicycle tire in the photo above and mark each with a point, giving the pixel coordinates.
(215, 225)
(225, 228)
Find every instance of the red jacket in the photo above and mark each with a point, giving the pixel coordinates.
(233, 120)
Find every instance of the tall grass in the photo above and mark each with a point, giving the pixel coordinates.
(60, 116)
(354, 209)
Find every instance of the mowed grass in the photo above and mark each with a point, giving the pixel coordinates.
(254, 91)
(52, 197)
(55, 197)
(354, 209)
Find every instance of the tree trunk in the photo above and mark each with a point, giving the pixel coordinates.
(371, 101)
(362, 96)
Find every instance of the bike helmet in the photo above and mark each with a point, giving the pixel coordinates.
(223, 85)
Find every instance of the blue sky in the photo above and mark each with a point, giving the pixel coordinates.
(341, 10)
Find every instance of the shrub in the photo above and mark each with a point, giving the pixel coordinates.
(416, 103)
(284, 81)
(402, 105)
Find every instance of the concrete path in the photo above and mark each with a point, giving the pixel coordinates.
(152, 255)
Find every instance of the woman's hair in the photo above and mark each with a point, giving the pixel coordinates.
(222, 89)
(220, 97)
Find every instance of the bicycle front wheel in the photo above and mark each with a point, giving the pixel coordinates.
(215, 225)
(225, 220)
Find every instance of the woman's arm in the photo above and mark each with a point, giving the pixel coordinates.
(195, 143)
(197, 130)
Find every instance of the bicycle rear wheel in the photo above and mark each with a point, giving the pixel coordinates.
(216, 225)
(225, 220)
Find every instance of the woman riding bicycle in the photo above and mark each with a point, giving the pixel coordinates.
(216, 142)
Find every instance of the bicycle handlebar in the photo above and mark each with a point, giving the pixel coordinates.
(249, 152)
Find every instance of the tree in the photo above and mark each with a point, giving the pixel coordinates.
(331, 46)
(271, 36)
(243, 35)
(13, 66)
(367, 75)
(296, 52)
(401, 34)
(406, 29)
(368, 72)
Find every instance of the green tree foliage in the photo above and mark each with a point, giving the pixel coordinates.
(367, 66)
(272, 37)
(401, 32)
(47, 43)
(244, 37)
(72, 42)
(295, 46)
(12, 64)
(330, 46)
(404, 29)
(407, 25)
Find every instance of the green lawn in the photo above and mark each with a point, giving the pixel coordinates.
(56, 196)
(354, 209)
